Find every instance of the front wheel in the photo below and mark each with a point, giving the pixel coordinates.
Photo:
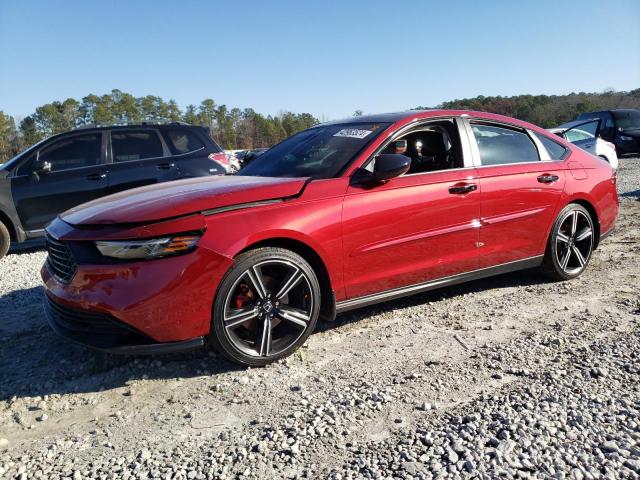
(5, 240)
(266, 307)
(570, 244)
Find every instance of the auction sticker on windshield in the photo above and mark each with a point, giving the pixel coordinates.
(352, 133)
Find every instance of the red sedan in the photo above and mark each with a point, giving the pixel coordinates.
(338, 216)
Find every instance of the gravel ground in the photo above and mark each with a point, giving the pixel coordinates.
(512, 376)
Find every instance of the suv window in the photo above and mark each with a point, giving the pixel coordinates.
(184, 141)
(128, 145)
(499, 145)
(627, 119)
(73, 152)
(554, 149)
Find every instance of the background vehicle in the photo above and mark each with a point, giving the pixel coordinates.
(331, 219)
(77, 166)
(620, 127)
(248, 156)
(233, 163)
(586, 135)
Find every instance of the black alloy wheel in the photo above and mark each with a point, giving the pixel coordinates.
(266, 307)
(570, 244)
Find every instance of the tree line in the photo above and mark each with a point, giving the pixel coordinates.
(232, 128)
(548, 110)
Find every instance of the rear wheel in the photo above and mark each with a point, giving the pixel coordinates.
(570, 244)
(266, 307)
(5, 240)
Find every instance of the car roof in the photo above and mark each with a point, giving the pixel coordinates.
(411, 115)
(119, 126)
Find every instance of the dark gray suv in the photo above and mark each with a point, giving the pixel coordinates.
(71, 168)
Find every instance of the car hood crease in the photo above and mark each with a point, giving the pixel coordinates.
(182, 197)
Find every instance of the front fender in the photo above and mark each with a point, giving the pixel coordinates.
(317, 224)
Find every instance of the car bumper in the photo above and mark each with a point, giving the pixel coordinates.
(105, 333)
(161, 305)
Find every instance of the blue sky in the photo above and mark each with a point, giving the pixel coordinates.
(327, 57)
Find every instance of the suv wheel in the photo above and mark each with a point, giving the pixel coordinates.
(266, 307)
(5, 240)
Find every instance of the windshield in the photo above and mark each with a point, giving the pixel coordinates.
(319, 152)
(628, 120)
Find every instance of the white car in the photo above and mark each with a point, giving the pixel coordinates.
(585, 134)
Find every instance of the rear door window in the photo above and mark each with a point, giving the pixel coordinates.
(501, 145)
(183, 141)
(554, 149)
(73, 152)
(131, 145)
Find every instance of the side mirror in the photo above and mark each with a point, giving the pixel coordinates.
(390, 165)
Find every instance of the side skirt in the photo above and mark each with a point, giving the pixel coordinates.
(387, 295)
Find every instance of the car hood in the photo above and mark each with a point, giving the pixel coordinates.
(181, 197)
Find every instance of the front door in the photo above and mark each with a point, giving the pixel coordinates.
(77, 175)
(418, 227)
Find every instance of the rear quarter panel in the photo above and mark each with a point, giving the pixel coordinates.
(591, 179)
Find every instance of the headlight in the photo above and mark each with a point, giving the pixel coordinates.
(149, 248)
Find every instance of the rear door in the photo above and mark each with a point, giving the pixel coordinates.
(521, 188)
(138, 157)
(77, 175)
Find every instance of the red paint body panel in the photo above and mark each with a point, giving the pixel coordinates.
(169, 300)
(406, 231)
(181, 197)
(513, 206)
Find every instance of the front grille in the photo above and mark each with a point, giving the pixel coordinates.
(60, 260)
(92, 328)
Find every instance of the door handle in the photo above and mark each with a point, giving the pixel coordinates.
(97, 176)
(588, 146)
(462, 189)
(546, 178)
(165, 166)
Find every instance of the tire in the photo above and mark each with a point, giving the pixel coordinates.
(5, 239)
(570, 243)
(266, 307)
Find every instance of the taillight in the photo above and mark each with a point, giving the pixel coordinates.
(221, 158)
